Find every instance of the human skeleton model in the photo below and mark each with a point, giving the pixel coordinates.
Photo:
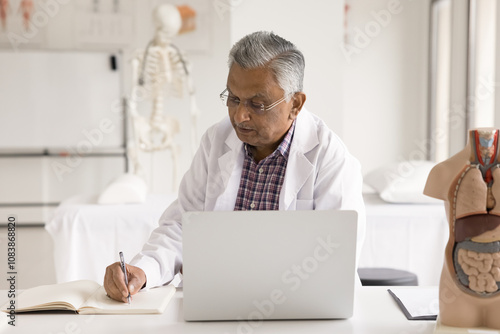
(469, 183)
(160, 71)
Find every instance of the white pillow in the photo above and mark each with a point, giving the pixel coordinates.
(402, 182)
(125, 189)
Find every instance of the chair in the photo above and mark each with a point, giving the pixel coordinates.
(386, 276)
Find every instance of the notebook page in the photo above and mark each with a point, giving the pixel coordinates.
(145, 302)
(74, 293)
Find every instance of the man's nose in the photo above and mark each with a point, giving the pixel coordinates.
(241, 113)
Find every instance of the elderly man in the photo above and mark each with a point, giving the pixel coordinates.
(269, 154)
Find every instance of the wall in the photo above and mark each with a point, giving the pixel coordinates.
(61, 26)
(374, 96)
(316, 29)
(484, 57)
(458, 79)
(385, 81)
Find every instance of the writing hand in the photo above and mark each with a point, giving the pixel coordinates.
(114, 282)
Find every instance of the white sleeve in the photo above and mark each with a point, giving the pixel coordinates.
(161, 256)
(339, 185)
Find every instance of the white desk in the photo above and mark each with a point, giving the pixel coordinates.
(375, 313)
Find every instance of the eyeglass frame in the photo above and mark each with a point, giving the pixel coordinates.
(263, 108)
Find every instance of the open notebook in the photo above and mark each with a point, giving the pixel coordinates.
(89, 297)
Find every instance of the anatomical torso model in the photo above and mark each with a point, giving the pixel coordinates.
(469, 184)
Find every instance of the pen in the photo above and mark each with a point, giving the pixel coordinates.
(122, 263)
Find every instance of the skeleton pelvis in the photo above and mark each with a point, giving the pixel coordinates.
(155, 135)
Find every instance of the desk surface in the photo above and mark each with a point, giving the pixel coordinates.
(375, 312)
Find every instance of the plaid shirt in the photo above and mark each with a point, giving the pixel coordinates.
(260, 183)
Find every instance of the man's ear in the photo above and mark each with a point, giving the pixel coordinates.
(298, 100)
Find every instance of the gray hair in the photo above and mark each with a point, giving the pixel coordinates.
(266, 49)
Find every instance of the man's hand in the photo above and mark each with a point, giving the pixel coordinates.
(114, 281)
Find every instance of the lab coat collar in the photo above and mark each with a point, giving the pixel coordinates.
(230, 165)
(299, 167)
(304, 139)
(234, 148)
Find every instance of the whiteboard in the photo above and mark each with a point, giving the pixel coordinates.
(51, 99)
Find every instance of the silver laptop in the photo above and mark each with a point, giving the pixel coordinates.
(260, 265)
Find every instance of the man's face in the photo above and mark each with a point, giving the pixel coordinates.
(267, 130)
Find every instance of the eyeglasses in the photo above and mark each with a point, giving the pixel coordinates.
(233, 102)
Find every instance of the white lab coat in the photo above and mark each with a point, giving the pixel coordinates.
(320, 175)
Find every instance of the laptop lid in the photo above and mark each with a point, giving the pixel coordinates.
(259, 265)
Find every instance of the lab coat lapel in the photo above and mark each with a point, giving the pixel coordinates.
(230, 165)
(299, 168)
